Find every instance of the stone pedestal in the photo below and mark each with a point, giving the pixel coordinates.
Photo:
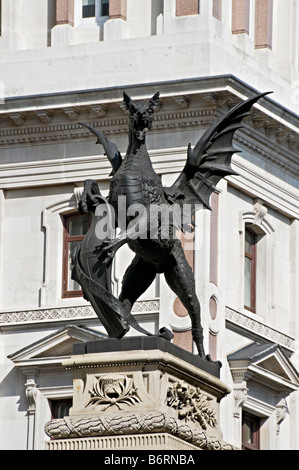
(140, 393)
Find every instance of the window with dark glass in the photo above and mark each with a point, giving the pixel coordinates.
(60, 408)
(250, 431)
(88, 8)
(250, 270)
(104, 7)
(75, 228)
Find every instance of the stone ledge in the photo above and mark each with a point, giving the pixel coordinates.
(145, 343)
(57, 314)
(258, 329)
(73, 427)
(157, 441)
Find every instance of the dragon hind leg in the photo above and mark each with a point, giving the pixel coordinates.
(180, 279)
(138, 277)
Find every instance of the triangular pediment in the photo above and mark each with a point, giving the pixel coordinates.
(55, 346)
(273, 365)
(65, 348)
(266, 364)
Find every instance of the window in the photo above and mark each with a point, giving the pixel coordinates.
(250, 270)
(104, 8)
(89, 8)
(75, 228)
(250, 432)
(60, 408)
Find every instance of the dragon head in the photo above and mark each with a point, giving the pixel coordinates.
(141, 114)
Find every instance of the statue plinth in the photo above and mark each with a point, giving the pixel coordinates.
(140, 393)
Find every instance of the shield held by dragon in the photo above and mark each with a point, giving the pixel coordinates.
(136, 182)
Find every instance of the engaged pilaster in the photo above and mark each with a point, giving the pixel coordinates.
(63, 32)
(116, 27)
(263, 24)
(187, 7)
(241, 16)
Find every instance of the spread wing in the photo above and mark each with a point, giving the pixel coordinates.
(210, 160)
(111, 151)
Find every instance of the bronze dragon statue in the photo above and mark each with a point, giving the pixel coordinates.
(136, 184)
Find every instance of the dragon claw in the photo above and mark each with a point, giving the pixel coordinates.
(107, 252)
(209, 359)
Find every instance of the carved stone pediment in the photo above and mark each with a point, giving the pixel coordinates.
(264, 364)
(262, 367)
(52, 348)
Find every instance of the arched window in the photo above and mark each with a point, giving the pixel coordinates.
(250, 270)
(75, 228)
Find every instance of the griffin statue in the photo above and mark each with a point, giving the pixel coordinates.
(135, 184)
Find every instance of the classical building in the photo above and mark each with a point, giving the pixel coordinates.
(69, 61)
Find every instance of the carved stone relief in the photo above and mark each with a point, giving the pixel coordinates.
(110, 389)
(128, 394)
(192, 405)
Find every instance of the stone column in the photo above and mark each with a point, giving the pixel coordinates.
(31, 395)
(294, 268)
(2, 235)
(263, 24)
(240, 16)
(183, 338)
(214, 239)
(187, 7)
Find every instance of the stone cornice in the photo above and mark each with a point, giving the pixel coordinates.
(288, 163)
(257, 330)
(184, 88)
(54, 117)
(60, 132)
(45, 315)
(187, 105)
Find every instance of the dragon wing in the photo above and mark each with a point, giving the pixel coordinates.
(210, 160)
(111, 151)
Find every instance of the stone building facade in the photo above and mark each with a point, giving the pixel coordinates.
(67, 61)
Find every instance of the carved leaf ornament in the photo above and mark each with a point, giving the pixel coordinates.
(191, 404)
(113, 390)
